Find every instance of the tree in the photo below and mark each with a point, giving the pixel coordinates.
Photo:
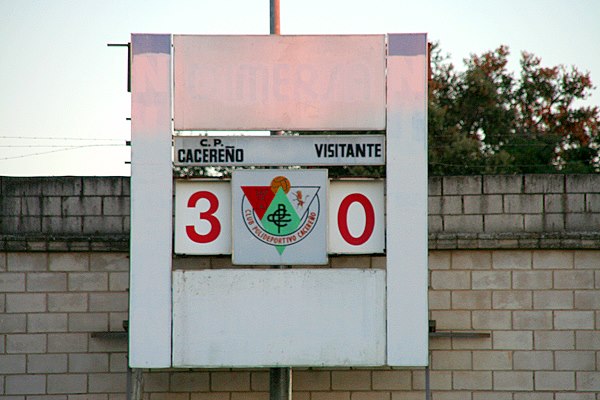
(484, 120)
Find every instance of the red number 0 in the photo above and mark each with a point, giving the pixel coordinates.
(343, 218)
(208, 215)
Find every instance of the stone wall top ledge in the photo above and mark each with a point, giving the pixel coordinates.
(514, 240)
(33, 243)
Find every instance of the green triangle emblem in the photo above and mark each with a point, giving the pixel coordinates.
(280, 219)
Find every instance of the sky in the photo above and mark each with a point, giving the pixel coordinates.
(63, 98)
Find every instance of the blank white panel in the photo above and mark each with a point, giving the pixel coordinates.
(406, 227)
(304, 317)
(319, 82)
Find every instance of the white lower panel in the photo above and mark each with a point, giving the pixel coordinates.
(260, 318)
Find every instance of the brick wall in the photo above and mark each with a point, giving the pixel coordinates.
(508, 211)
(64, 213)
(531, 315)
(541, 308)
(51, 302)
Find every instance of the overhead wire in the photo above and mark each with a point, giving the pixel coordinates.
(52, 145)
(57, 148)
(56, 138)
(54, 151)
(500, 167)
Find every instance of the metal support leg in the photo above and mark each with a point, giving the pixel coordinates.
(280, 384)
(427, 384)
(136, 381)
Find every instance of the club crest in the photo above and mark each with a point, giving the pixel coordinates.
(279, 213)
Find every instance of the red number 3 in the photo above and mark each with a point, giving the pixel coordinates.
(208, 215)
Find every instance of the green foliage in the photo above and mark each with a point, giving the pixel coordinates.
(483, 120)
(204, 172)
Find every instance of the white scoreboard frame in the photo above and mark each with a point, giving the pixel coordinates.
(405, 110)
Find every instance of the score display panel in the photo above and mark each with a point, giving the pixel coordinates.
(355, 215)
(326, 317)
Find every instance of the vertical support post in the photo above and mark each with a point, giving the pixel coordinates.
(280, 384)
(151, 203)
(275, 29)
(274, 8)
(280, 379)
(427, 384)
(406, 218)
(137, 384)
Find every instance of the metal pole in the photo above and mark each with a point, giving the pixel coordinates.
(135, 381)
(427, 384)
(274, 29)
(280, 384)
(274, 17)
(280, 379)
(427, 376)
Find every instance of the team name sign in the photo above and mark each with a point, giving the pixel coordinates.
(280, 150)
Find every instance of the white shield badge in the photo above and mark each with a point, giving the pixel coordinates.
(279, 217)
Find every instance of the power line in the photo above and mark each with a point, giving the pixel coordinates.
(51, 145)
(57, 151)
(503, 146)
(502, 166)
(57, 138)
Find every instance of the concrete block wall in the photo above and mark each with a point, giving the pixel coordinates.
(50, 303)
(533, 211)
(531, 297)
(64, 213)
(508, 211)
(541, 309)
(538, 312)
